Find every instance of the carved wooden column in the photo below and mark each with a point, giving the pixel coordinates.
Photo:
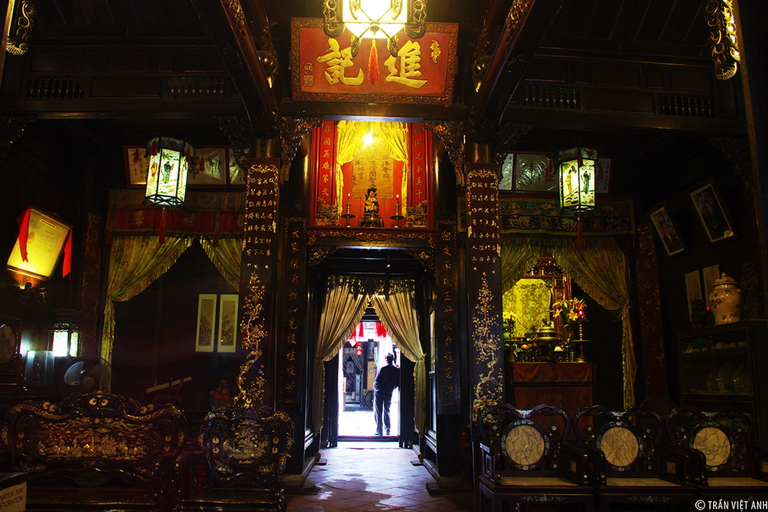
(651, 327)
(486, 349)
(257, 281)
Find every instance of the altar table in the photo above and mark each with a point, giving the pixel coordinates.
(565, 385)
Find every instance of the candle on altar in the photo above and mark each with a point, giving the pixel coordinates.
(397, 204)
(349, 201)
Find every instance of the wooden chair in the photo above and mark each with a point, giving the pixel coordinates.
(725, 462)
(629, 466)
(525, 460)
(95, 451)
(244, 449)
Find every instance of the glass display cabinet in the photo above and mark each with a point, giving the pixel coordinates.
(722, 366)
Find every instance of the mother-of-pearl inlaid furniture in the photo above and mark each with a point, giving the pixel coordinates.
(96, 452)
(629, 465)
(525, 459)
(728, 463)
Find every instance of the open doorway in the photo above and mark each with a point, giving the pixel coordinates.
(361, 358)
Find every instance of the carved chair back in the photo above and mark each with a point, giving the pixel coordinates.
(94, 439)
(722, 437)
(626, 439)
(527, 440)
(247, 446)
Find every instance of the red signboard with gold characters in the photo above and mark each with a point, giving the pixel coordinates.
(325, 70)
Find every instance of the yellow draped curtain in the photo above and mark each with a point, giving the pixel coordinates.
(397, 313)
(226, 256)
(599, 268)
(342, 311)
(135, 262)
(349, 141)
(345, 302)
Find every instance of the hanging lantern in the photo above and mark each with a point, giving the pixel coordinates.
(577, 179)
(169, 161)
(375, 19)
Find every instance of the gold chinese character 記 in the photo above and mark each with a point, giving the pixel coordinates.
(410, 66)
(337, 61)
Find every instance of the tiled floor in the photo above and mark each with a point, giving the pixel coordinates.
(372, 476)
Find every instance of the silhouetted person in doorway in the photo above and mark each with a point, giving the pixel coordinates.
(386, 381)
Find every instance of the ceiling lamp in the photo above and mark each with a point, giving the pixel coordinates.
(372, 19)
(169, 161)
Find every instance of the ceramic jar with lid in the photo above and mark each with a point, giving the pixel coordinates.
(724, 300)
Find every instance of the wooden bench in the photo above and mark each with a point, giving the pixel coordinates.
(95, 451)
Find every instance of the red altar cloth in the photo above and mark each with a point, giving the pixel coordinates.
(565, 385)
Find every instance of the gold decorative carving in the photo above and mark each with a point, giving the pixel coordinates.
(488, 390)
(722, 38)
(236, 15)
(451, 133)
(318, 254)
(426, 258)
(327, 214)
(240, 135)
(506, 136)
(19, 31)
(376, 238)
(516, 15)
(416, 216)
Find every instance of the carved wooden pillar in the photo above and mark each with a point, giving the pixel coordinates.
(292, 347)
(257, 281)
(484, 309)
(651, 326)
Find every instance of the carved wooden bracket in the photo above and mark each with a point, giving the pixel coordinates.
(452, 135)
(292, 130)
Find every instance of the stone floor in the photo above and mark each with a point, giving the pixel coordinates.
(373, 476)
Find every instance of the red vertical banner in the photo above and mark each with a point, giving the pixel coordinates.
(325, 174)
(419, 164)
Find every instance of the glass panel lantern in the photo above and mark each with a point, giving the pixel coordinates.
(577, 179)
(169, 161)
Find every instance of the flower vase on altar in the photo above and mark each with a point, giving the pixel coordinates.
(572, 314)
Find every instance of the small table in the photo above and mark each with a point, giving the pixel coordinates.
(396, 218)
(348, 216)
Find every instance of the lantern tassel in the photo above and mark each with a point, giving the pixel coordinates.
(373, 64)
(578, 232)
(161, 228)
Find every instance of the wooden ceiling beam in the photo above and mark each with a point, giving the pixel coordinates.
(525, 27)
(228, 26)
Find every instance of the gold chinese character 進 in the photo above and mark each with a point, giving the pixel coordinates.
(410, 66)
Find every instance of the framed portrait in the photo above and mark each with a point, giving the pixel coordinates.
(206, 320)
(236, 174)
(692, 290)
(710, 273)
(712, 214)
(227, 339)
(667, 231)
(210, 167)
(136, 166)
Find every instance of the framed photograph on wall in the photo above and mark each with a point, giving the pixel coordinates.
(210, 167)
(206, 320)
(227, 339)
(667, 231)
(136, 166)
(712, 214)
(692, 290)
(710, 273)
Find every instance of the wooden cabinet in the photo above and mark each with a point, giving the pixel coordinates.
(723, 366)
